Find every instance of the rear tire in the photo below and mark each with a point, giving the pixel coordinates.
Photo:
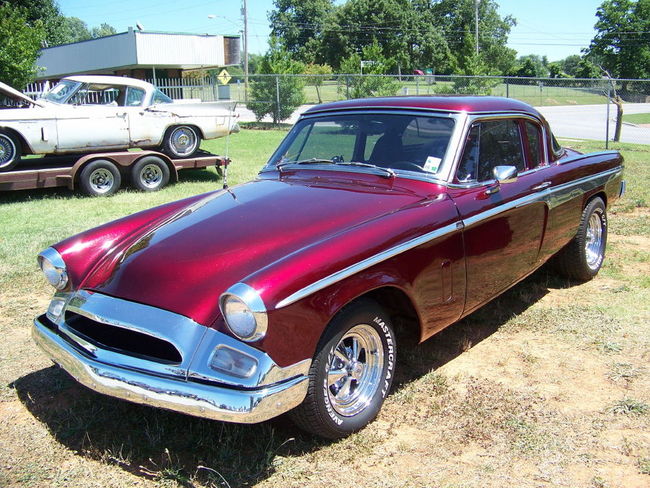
(582, 258)
(182, 141)
(100, 178)
(351, 373)
(10, 151)
(149, 174)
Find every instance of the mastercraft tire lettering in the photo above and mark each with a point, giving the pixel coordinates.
(351, 373)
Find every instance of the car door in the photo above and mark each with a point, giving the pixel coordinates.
(93, 119)
(503, 222)
(146, 127)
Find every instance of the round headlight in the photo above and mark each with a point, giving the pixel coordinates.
(53, 268)
(243, 310)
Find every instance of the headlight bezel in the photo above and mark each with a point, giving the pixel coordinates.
(251, 299)
(54, 268)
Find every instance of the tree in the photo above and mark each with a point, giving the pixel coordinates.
(277, 96)
(20, 42)
(570, 64)
(587, 69)
(74, 30)
(532, 66)
(45, 11)
(102, 31)
(622, 43)
(317, 73)
(375, 83)
(299, 24)
(457, 19)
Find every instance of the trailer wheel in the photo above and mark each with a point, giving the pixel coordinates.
(100, 178)
(150, 174)
(10, 151)
(181, 141)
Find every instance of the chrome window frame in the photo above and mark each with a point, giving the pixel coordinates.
(440, 177)
(472, 119)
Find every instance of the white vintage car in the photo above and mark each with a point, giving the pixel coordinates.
(97, 113)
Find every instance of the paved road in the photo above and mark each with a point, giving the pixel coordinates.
(570, 121)
(588, 122)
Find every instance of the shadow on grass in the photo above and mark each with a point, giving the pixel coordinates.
(159, 444)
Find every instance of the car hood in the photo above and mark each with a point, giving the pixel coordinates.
(16, 95)
(185, 264)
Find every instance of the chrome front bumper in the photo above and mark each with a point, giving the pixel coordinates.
(181, 394)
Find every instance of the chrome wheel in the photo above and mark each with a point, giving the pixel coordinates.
(183, 141)
(8, 151)
(101, 181)
(355, 369)
(151, 176)
(594, 241)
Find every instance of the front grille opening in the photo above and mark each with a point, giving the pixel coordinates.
(122, 340)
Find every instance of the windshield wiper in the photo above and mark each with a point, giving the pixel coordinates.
(305, 161)
(389, 172)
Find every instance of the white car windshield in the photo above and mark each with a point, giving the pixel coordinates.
(400, 142)
(62, 91)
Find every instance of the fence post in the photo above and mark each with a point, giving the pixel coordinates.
(507, 88)
(417, 85)
(609, 99)
(277, 99)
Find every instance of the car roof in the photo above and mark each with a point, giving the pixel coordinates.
(468, 104)
(111, 80)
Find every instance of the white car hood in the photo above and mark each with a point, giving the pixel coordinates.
(15, 94)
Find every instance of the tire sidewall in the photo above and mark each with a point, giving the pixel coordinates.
(376, 318)
(595, 206)
(86, 172)
(138, 167)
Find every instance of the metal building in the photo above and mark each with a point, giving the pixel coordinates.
(140, 55)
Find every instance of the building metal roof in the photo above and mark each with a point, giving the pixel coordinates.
(139, 50)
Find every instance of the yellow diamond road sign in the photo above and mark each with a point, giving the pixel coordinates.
(223, 77)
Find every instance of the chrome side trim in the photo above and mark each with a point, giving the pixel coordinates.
(519, 202)
(367, 263)
(202, 400)
(574, 189)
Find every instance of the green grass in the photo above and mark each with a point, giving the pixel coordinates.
(637, 118)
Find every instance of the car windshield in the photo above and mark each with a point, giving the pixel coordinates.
(399, 142)
(62, 91)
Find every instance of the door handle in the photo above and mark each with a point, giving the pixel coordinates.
(542, 186)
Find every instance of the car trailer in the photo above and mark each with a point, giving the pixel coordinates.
(101, 174)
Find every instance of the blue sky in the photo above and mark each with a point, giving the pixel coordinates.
(554, 28)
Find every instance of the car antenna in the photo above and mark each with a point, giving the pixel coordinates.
(226, 161)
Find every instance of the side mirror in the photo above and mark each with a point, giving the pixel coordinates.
(505, 174)
(502, 174)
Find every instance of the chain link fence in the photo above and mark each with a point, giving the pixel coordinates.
(575, 108)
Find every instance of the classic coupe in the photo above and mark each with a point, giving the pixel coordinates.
(82, 114)
(283, 294)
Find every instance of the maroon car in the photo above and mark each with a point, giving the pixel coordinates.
(281, 294)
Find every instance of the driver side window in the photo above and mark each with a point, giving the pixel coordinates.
(490, 144)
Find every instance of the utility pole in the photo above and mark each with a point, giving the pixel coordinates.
(476, 24)
(245, 14)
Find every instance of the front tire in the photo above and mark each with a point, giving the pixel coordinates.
(181, 142)
(351, 373)
(150, 174)
(10, 151)
(100, 178)
(582, 258)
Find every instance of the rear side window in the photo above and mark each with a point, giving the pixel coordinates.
(534, 137)
(490, 144)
